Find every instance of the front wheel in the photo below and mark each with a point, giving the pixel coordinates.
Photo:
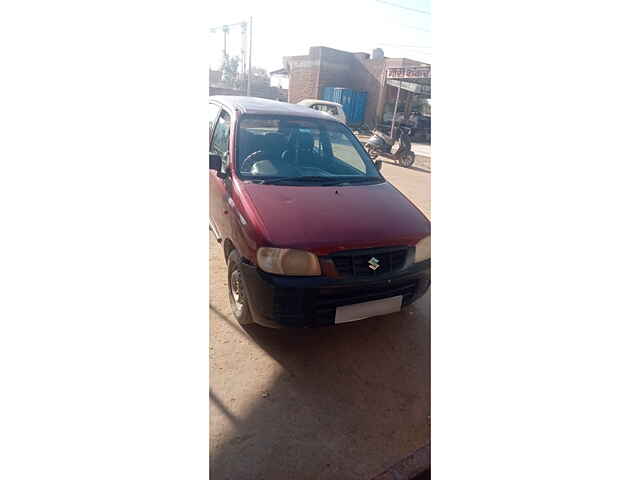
(371, 151)
(408, 159)
(237, 290)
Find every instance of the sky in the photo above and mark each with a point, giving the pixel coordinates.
(290, 27)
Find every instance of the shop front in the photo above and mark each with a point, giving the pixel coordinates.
(407, 100)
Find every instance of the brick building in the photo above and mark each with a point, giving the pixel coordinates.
(327, 67)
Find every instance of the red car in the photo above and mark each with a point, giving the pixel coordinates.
(313, 235)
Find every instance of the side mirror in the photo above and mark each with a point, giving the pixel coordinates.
(215, 162)
(378, 164)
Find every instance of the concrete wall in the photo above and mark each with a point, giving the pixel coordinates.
(369, 76)
(215, 76)
(303, 77)
(260, 91)
(328, 67)
(323, 67)
(336, 69)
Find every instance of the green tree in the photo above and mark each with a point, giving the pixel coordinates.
(229, 69)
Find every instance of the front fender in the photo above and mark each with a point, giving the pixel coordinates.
(375, 142)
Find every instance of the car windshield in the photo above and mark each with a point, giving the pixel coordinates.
(301, 151)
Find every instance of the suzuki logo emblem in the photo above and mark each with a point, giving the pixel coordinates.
(374, 263)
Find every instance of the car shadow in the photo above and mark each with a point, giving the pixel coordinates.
(348, 400)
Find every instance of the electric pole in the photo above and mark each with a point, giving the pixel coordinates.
(250, 47)
(395, 110)
(244, 51)
(225, 32)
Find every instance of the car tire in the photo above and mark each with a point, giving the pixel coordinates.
(408, 159)
(237, 290)
(372, 153)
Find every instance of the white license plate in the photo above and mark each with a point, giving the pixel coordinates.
(360, 311)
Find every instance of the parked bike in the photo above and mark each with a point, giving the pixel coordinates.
(381, 144)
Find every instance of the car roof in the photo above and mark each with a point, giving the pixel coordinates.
(309, 101)
(262, 106)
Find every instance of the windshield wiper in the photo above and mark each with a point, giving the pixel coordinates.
(310, 179)
(362, 179)
(317, 180)
(352, 180)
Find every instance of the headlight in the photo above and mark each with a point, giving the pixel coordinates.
(423, 249)
(284, 261)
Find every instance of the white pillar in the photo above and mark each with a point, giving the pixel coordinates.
(395, 110)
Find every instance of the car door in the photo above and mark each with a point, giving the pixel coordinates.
(214, 111)
(218, 186)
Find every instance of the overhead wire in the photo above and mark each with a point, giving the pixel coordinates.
(403, 7)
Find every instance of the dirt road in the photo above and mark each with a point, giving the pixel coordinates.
(337, 403)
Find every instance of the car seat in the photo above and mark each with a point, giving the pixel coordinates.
(300, 150)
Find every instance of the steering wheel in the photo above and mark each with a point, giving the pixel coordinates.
(248, 162)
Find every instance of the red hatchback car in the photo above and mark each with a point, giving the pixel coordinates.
(313, 235)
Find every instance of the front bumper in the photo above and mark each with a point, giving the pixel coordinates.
(278, 301)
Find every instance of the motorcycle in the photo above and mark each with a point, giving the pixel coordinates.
(381, 144)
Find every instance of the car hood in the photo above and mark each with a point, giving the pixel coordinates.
(329, 219)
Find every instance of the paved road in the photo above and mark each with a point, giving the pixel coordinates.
(338, 403)
(414, 182)
(422, 151)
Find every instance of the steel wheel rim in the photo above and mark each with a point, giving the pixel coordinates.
(237, 294)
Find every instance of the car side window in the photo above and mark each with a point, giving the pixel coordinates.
(214, 110)
(332, 110)
(220, 144)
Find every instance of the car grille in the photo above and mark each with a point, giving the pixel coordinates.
(317, 307)
(328, 300)
(356, 263)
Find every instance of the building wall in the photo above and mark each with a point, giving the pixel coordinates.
(371, 78)
(260, 91)
(336, 69)
(369, 75)
(222, 90)
(328, 67)
(323, 67)
(215, 76)
(303, 77)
